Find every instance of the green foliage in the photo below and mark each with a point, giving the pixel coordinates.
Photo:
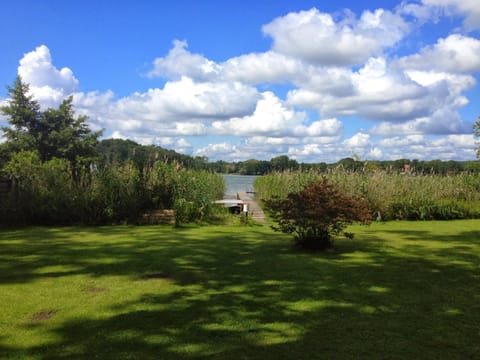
(65, 136)
(50, 157)
(118, 191)
(194, 195)
(51, 133)
(317, 213)
(119, 151)
(476, 132)
(392, 196)
(48, 193)
(23, 113)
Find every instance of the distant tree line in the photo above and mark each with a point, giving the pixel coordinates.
(119, 151)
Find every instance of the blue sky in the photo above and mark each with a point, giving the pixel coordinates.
(314, 80)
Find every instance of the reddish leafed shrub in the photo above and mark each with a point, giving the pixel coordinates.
(317, 213)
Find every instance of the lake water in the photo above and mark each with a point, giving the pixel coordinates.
(238, 183)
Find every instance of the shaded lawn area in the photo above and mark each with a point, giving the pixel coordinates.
(397, 290)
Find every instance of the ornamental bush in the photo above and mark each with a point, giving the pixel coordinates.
(317, 213)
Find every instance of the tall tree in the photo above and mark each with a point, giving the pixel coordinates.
(66, 136)
(52, 133)
(23, 114)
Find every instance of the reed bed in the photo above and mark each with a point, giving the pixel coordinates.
(392, 196)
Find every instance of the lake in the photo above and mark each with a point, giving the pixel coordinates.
(238, 183)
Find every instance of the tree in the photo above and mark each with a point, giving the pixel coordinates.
(317, 213)
(65, 136)
(282, 163)
(24, 115)
(476, 129)
(54, 133)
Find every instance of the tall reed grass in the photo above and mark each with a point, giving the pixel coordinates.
(52, 193)
(391, 195)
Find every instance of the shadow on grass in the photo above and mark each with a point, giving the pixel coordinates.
(246, 294)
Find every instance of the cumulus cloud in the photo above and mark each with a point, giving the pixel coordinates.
(358, 140)
(399, 93)
(264, 67)
(456, 53)
(223, 151)
(316, 37)
(272, 118)
(36, 69)
(185, 100)
(49, 84)
(253, 68)
(423, 147)
(179, 144)
(374, 91)
(180, 62)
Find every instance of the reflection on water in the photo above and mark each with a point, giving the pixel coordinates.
(238, 183)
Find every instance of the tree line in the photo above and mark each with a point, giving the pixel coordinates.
(117, 150)
(120, 151)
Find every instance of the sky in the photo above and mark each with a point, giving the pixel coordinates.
(317, 81)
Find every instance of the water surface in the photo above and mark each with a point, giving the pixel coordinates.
(238, 183)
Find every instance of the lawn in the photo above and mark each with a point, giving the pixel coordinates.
(398, 290)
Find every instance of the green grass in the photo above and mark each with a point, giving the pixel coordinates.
(398, 290)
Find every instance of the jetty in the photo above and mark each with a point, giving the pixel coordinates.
(255, 212)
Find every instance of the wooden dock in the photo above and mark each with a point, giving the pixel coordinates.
(255, 212)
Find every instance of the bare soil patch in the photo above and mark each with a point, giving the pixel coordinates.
(43, 315)
(95, 289)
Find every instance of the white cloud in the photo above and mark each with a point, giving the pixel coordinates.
(273, 141)
(401, 141)
(467, 8)
(456, 53)
(374, 91)
(253, 68)
(257, 68)
(36, 69)
(443, 121)
(180, 62)
(49, 84)
(186, 101)
(375, 153)
(358, 140)
(179, 144)
(272, 118)
(423, 147)
(222, 151)
(316, 37)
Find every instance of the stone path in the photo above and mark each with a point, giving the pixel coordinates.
(255, 212)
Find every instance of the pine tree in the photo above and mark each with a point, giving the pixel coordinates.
(53, 133)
